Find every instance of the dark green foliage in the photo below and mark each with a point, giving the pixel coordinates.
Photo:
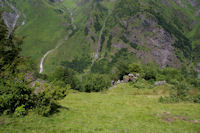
(46, 101)
(103, 39)
(65, 75)
(9, 47)
(86, 30)
(126, 8)
(150, 74)
(16, 72)
(124, 39)
(121, 70)
(109, 43)
(58, 11)
(97, 25)
(133, 45)
(182, 89)
(135, 68)
(121, 53)
(93, 39)
(196, 99)
(101, 67)
(95, 83)
(104, 66)
(14, 94)
(172, 75)
(78, 64)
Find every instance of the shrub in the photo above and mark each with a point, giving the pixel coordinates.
(196, 99)
(135, 68)
(182, 89)
(95, 83)
(14, 95)
(180, 95)
(20, 111)
(172, 74)
(66, 76)
(150, 75)
(46, 101)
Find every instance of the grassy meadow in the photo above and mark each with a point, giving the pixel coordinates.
(123, 109)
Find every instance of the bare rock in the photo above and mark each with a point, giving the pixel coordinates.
(126, 79)
(160, 83)
(118, 82)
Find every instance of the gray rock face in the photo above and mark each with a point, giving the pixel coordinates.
(156, 41)
(10, 19)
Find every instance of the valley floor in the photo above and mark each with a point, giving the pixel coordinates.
(121, 110)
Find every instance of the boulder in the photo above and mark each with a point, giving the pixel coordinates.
(137, 75)
(132, 77)
(126, 79)
(118, 82)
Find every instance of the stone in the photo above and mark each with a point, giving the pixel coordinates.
(118, 82)
(137, 75)
(130, 75)
(160, 83)
(126, 79)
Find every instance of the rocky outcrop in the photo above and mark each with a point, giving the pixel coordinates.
(127, 78)
(144, 31)
(11, 18)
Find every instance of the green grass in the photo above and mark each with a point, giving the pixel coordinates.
(121, 110)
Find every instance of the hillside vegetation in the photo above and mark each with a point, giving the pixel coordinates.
(165, 32)
(99, 66)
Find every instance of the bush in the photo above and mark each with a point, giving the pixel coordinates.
(172, 74)
(95, 83)
(182, 89)
(150, 75)
(180, 95)
(135, 68)
(46, 101)
(196, 99)
(13, 95)
(20, 111)
(66, 76)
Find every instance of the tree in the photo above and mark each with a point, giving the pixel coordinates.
(135, 68)
(9, 48)
(95, 83)
(66, 75)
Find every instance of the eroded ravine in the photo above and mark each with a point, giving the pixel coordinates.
(96, 56)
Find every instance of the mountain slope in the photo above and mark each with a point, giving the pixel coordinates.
(110, 31)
